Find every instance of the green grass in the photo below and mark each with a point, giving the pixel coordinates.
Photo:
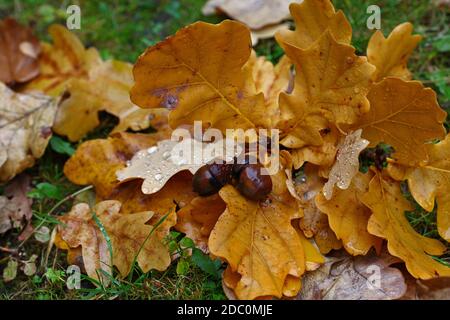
(122, 30)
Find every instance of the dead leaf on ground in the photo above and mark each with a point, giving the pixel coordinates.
(432, 289)
(254, 13)
(15, 206)
(19, 50)
(25, 129)
(353, 278)
(267, 32)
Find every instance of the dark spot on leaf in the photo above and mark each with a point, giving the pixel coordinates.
(46, 132)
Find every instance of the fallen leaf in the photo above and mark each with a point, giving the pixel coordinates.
(346, 165)
(390, 55)
(10, 272)
(173, 74)
(348, 216)
(384, 198)
(198, 218)
(25, 129)
(62, 61)
(404, 115)
(15, 206)
(267, 32)
(19, 50)
(331, 84)
(259, 242)
(312, 19)
(157, 164)
(430, 184)
(96, 161)
(353, 278)
(432, 289)
(254, 13)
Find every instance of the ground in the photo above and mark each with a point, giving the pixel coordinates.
(122, 30)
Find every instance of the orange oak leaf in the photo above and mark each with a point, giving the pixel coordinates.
(312, 18)
(96, 161)
(348, 216)
(19, 50)
(390, 55)
(106, 89)
(198, 218)
(259, 242)
(404, 115)
(331, 84)
(384, 198)
(430, 184)
(62, 61)
(173, 74)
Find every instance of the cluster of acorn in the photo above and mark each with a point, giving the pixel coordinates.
(247, 179)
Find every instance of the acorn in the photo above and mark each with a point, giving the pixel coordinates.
(210, 178)
(252, 184)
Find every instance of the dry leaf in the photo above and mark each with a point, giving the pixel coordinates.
(331, 82)
(353, 278)
(62, 61)
(25, 129)
(106, 89)
(19, 50)
(198, 218)
(173, 74)
(129, 234)
(15, 206)
(388, 221)
(432, 289)
(254, 13)
(96, 161)
(259, 242)
(267, 32)
(348, 217)
(313, 18)
(390, 55)
(157, 164)
(431, 183)
(347, 163)
(404, 115)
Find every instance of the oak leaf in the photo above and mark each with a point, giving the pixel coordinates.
(343, 277)
(312, 19)
(331, 84)
(19, 50)
(404, 115)
(106, 89)
(348, 216)
(96, 161)
(62, 61)
(198, 218)
(390, 55)
(254, 13)
(173, 74)
(384, 198)
(347, 163)
(432, 289)
(267, 32)
(259, 242)
(25, 129)
(430, 184)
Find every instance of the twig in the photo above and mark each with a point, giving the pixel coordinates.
(9, 250)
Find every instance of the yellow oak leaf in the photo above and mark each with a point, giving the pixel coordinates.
(62, 61)
(96, 161)
(348, 217)
(404, 115)
(312, 18)
(390, 55)
(431, 183)
(25, 129)
(331, 84)
(106, 89)
(198, 218)
(271, 81)
(259, 242)
(188, 74)
(388, 205)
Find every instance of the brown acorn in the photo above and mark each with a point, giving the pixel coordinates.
(252, 184)
(211, 177)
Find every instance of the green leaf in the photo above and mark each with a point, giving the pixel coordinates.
(187, 243)
(54, 276)
(182, 267)
(61, 146)
(10, 272)
(46, 190)
(205, 263)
